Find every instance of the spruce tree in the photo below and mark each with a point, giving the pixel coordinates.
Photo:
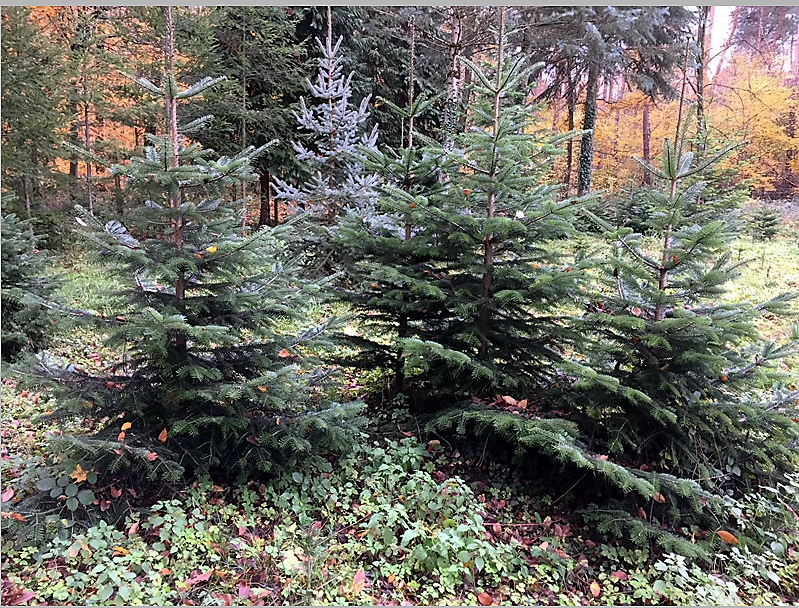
(333, 158)
(26, 323)
(705, 426)
(211, 378)
(765, 223)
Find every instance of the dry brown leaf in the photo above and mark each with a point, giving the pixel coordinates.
(727, 537)
(485, 599)
(79, 474)
(658, 497)
(162, 436)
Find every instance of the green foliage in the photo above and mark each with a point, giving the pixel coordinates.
(764, 222)
(210, 379)
(27, 324)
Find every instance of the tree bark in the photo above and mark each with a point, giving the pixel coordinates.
(571, 106)
(174, 161)
(585, 170)
(266, 200)
(646, 137)
(488, 241)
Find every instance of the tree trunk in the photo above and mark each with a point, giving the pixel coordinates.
(571, 106)
(585, 170)
(451, 103)
(703, 36)
(118, 196)
(26, 193)
(646, 136)
(488, 241)
(728, 43)
(174, 161)
(266, 200)
(88, 144)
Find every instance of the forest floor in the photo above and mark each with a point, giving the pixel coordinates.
(402, 520)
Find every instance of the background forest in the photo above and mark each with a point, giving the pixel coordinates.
(400, 305)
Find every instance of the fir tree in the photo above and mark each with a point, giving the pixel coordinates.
(26, 323)
(662, 331)
(211, 379)
(336, 129)
(765, 223)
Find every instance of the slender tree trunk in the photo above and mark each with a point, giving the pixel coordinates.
(703, 34)
(174, 162)
(488, 241)
(451, 103)
(402, 329)
(266, 200)
(88, 144)
(26, 193)
(728, 43)
(243, 138)
(585, 171)
(571, 106)
(646, 136)
(119, 198)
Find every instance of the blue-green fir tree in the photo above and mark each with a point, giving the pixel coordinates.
(333, 154)
(212, 378)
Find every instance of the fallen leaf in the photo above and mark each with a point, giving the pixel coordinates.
(120, 551)
(641, 512)
(121, 436)
(622, 576)
(358, 582)
(162, 436)
(262, 389)
(485, 599)
(637, 312)
(727, 537)
(211, 249)
(79, 474)
(8, 494)
(595, 589)
(126, 426)
(116, 492)
(133, 528)
(658, 497)
(509, 400)
(151, 456)
(165, 571)
(284, 353)
(523, 403)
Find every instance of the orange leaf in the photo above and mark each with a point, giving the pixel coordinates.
(595, 589)
(165, 571)
(151, 456)
(659, 497)
(637, 312)
(79, 474)
(484, 599)
(120, 551)
(509, 400)
(523, 403)
(284, 353)
(262, 389)
(641, 512)
(126, 426)
(162, 436)
(391, 578)
(727, 537)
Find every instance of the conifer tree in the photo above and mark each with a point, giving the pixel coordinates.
(765, 222)
(334, 157)
(211, 379)
(662, 330)
(26, 324)
(392, 253)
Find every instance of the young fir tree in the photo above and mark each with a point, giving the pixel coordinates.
(26, 324)
(662, 329)
(336, 129)
(393, 256)
(765, 223)
(211, 379)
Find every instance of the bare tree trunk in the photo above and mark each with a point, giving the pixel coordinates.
(88, 143)
(571, 106)
(585, 169)
(646, 136)
(451, 107)
(728, 43)
(266, 200)
(26, 192)
(488, 241)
